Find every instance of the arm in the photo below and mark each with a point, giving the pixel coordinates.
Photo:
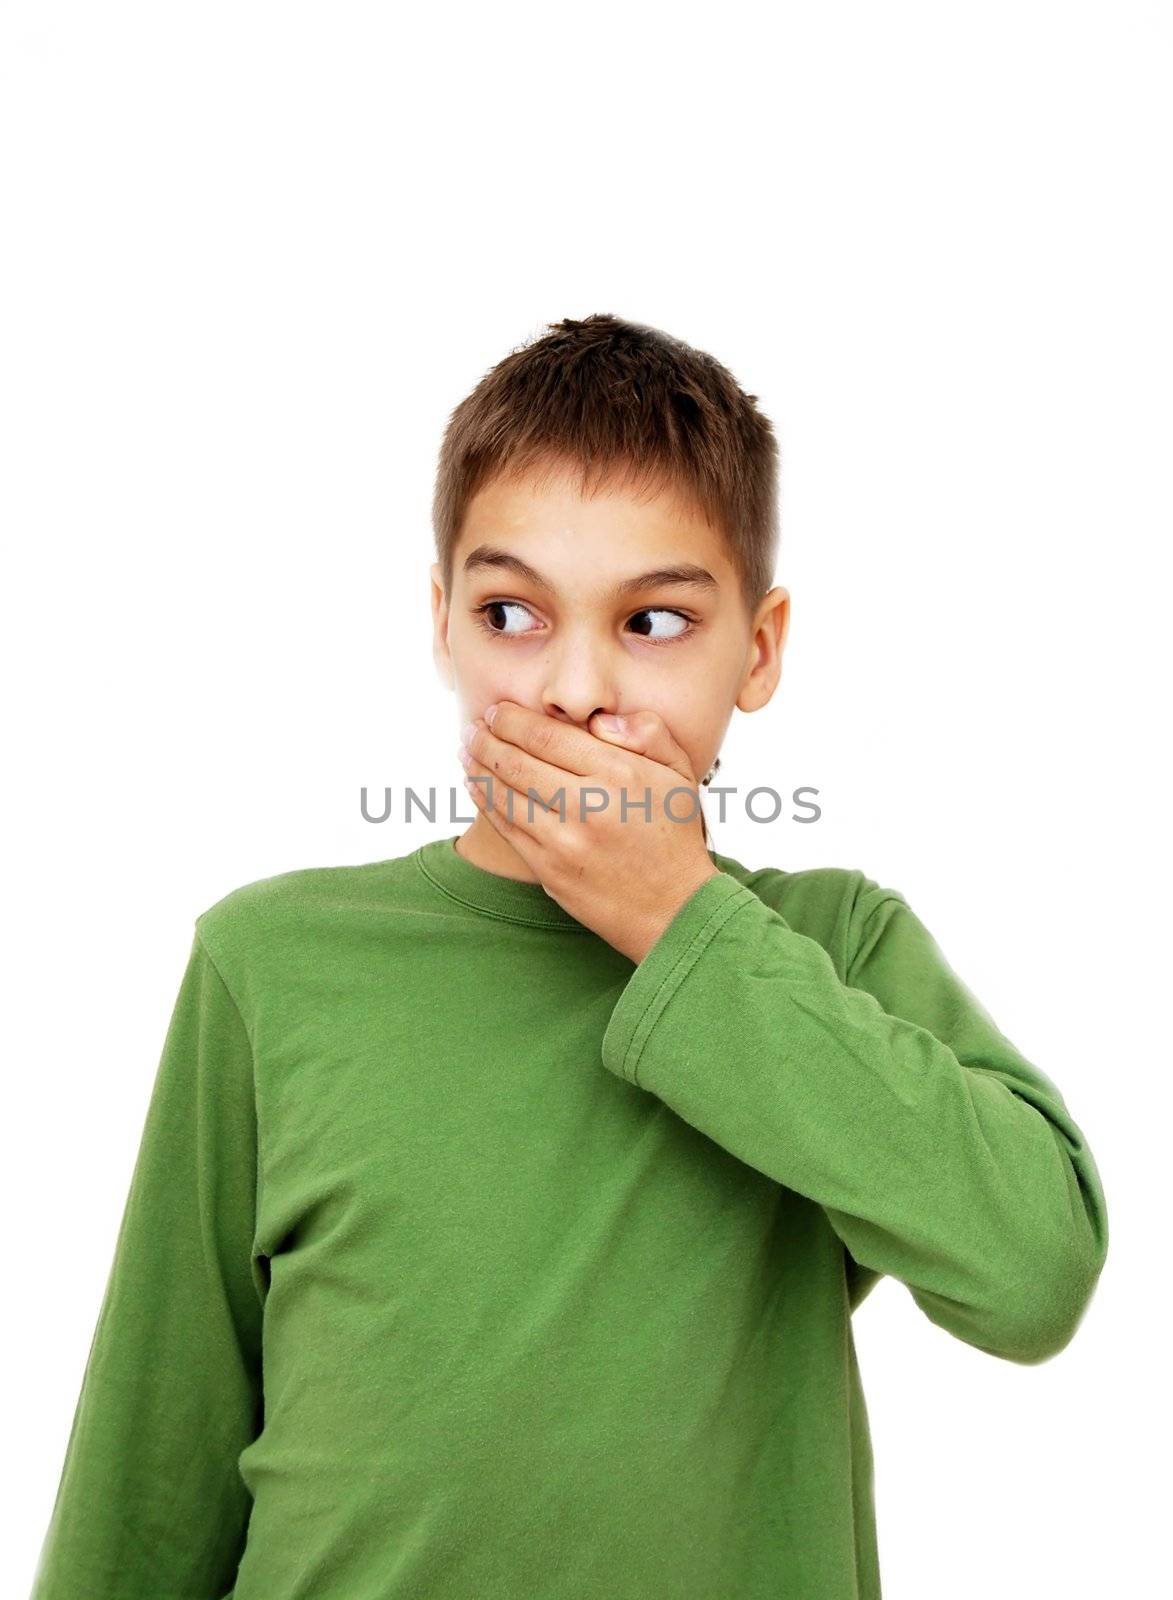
(939, 1154)
(150, 1505)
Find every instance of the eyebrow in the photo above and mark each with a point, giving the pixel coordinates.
(685, 574)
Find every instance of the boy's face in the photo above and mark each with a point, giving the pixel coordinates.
(536, 614)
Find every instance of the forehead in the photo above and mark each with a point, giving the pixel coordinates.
(617, 522)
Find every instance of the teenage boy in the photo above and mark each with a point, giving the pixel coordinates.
(501, 1208)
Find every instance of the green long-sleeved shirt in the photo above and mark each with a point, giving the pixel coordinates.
(464, 1258)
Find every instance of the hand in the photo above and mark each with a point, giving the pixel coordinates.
(625, 879)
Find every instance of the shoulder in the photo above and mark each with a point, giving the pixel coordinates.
(268, 917)
(832, 904)
(263, 898)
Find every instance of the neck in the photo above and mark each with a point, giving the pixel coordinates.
(484, 847)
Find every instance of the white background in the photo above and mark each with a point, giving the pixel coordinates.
(253, 256)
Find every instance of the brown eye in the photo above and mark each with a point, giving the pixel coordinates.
(656, 634)
(494, 616)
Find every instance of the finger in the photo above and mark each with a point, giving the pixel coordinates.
(558, 744)
(516, 811)
(512, 767)
(646, 733)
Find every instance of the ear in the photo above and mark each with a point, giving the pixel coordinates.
(770, 626)
(440, 652)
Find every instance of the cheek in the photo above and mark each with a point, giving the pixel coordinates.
(479, 675)
(479, 684)
(693, 717)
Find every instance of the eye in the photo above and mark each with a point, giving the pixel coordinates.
(678, 617)
(497, 608)
(494, 617)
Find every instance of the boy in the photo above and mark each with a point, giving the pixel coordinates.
(502, 1207)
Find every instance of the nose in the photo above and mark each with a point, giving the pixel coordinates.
(578, 681)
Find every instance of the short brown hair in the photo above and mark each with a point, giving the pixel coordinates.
(618, 400)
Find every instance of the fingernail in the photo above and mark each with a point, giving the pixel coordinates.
(615, 724)
(490, 713)
(466, 734)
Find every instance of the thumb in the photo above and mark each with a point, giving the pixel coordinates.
(647, 734)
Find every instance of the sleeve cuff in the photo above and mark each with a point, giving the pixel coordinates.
(665, 967)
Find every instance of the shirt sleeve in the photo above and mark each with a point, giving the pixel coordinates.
(150, 1504)
(940, 1155)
